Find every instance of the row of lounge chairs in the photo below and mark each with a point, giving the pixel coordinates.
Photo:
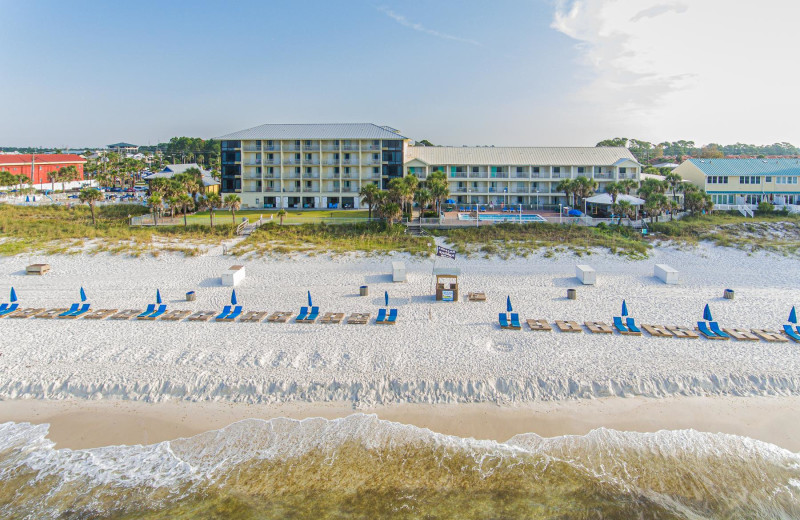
(229, 313)
(709, 330)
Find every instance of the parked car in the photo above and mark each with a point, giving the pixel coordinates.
(115, 189)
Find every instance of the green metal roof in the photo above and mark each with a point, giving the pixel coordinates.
(734, 167)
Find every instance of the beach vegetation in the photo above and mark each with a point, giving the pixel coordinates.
(90, 196)
(233, 202)
(315, 238)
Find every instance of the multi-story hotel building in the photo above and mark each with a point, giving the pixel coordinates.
(524, 175)
(745, 181)
(309, 166)
(326, 165)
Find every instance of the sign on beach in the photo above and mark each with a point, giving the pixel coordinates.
(447, 253)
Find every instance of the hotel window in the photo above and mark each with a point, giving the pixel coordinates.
(258, 170)
(308, 144)
(767, 179)
(744, 180)
(297, 144)
(347, 170)
(535, 185)
(347, 157)
(581, 169)
(308, 170)
(270, 156)
(556, 169)
(308, 185)
(598, 169)
(520, 169)
(336, 170)
(297, 157)
(347, 184)
(376, 170)
(308, 157)
(270, 170)
(376, 157)
(475, 169)
(297, 170)
(623, 170)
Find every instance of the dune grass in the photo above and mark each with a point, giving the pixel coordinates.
(292, 216)
(310, 239)
(777, 233)
(507, 240)
(62, 230)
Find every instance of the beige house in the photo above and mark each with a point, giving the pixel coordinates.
(745, 181)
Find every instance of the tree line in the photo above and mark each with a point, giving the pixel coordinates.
(645, 151)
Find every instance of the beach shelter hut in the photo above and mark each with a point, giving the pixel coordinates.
(447, 283)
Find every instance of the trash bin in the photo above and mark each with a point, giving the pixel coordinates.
(363, 290)
(191, 296)
(572, 294)
(728, 294)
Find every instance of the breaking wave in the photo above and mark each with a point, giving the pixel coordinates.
(363, 467)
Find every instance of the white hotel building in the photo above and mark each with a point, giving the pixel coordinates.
(325, 166)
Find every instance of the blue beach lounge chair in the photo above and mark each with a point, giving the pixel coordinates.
(8, 310)
(149, 310)
(302, 315)
(504, 321)
(235, 314)
(631, 324)
(515, 321)
(312, 316)
(3, 307)
(224, 314)
(791, 333)
(392, 317)
(82, 310)
(702, 327)
(619, 325)
(714, 326)
(381, 317)
(74, 307)
(161, 310)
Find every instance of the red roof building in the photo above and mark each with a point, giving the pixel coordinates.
(37, 166)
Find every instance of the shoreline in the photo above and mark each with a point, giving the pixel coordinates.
(79, 424)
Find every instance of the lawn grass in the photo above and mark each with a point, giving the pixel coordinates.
(61, 230)
(292, 216)
(507, 240)
(775, 232)
(310, 239)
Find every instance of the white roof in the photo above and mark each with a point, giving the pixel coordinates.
(605, 198)
(174, 169)
(447, 271)
(315, 131)
(486, 155)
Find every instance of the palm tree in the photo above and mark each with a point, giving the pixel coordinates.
(624, 209)
(613, 189)
(439, 190)
(673, 180)
(411, 184)
(233, 202)
(185, 201)
(155, 203)
(423, 197)
(53, 176)
(655, 204)
(282, 214)
(173, 202)
(584, 187)
(67, 174)
(212, 202)
(369, 194)
(391, 211)
(673, 207)
(628, 185)
(90, 196)
(567, 186)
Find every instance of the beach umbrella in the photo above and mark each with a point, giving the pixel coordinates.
(309, 299)
(233, 297)
(624, 308)
(386, 298)
(508, 304)
(707, 314)
(13, 295)
(792, 315)
(83, 295)
(158, 296)
(27, 199)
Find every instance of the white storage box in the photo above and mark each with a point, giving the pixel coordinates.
(233, 276)
(586, 274)
(666, 273)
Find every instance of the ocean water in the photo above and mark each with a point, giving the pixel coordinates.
(362, 467)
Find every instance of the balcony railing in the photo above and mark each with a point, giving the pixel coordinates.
(291, 148)
(252, 176)
(252, 148)
(499, 175)
(350, 147)
(477, 175)
(606, 176)
(272, 147)
(252, 163)
(311, 175)
(521, 175)
(330, 147)
(270, 189)
(370, 147)
(350, 161)
(461, 175)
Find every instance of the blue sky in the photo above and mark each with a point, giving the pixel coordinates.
(469, 72)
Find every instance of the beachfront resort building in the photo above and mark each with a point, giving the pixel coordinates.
(745, 181)
(520, 175)
(326, 165)
(309, 166)
(36, 167)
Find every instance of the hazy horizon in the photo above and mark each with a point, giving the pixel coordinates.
(541, 73)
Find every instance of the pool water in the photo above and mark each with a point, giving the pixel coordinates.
(510, 217)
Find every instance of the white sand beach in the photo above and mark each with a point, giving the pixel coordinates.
(436, 353)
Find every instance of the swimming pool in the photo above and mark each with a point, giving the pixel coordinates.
(510, 217)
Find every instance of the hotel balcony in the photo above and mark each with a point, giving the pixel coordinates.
(291, 148)
(521, 175)
(291, 175)
(370, 146)
(313, 175)
(458, 175)
(272, 147)
(350, 147)
(252, 148)
(272, 161)
(603, 176)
